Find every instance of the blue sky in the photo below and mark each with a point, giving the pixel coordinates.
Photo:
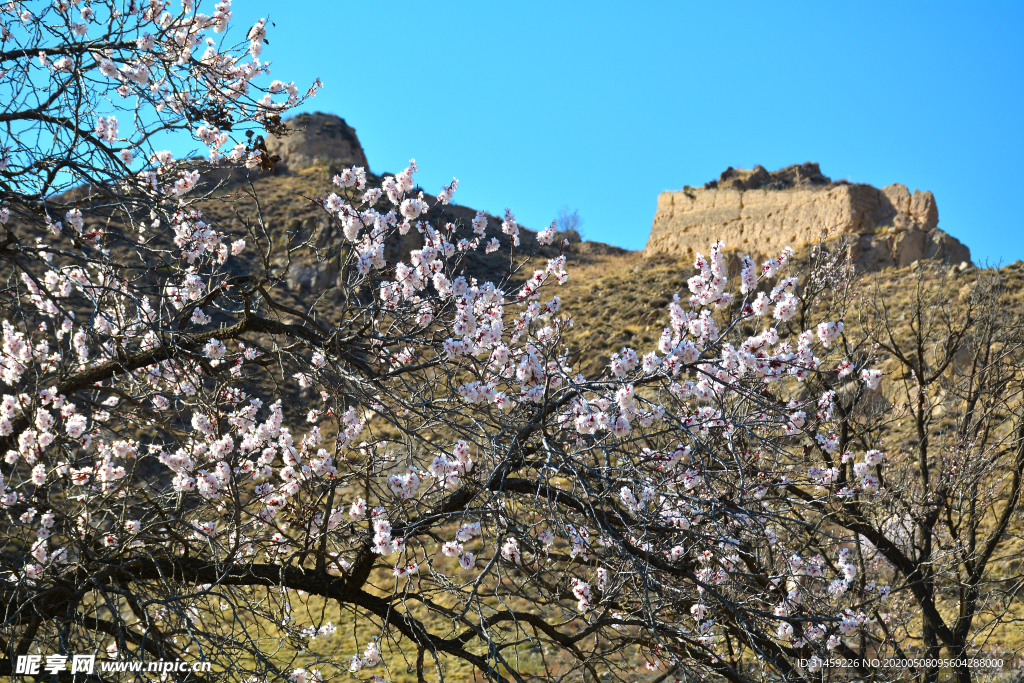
(600, 106)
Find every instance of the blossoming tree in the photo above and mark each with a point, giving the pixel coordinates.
(194, 455)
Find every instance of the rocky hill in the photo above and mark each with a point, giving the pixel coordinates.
(755, 212)
(759, 213)
(317, 146)
(318, 138)
(619, 298)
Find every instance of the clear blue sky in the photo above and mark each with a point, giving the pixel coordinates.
(602, 105)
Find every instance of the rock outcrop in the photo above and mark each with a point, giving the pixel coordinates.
(758, 212)
(319, 145)
(317, 139)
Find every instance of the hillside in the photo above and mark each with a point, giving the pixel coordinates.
(621, 295)
(620, 298)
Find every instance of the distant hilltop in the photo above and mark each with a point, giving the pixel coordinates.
(317, 138)
(754, 212)
(760, 212)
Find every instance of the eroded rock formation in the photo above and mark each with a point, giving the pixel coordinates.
(758, 212)
(317, 139)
